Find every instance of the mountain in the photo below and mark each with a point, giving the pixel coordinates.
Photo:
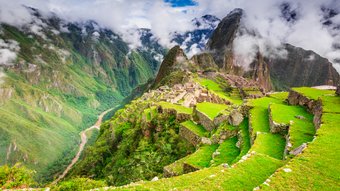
(299, 68)
(195, 40)
(56, 77)
(214, 131)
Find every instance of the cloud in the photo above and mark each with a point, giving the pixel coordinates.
(298, 22)
(2, 76)
(8, 52)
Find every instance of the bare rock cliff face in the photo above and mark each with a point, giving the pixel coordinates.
(299, 68)
(302, 68)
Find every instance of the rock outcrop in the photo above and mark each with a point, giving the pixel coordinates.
(299, 68)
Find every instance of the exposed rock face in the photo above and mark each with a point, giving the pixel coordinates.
(204, 61)
(221, 41)
(174, 60)
(299, 68)
(302, 68)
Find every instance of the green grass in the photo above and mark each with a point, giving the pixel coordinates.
(202, 157)
(269, 144)
(317, 168)
(216, 88)
(178, 108)
(302, 130)
(228, 152)
(279, 95)
(259, 114)
(313, 93)
(330, 102)
(211, 109)
(197, 129)
(243, 176)
(245, 146)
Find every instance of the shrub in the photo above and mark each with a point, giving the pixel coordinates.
(76, 184)
(17, 176)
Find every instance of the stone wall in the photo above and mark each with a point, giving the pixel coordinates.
(313, 106)
(275, 127)
(189, 135)
(189, 168)
(204, 120)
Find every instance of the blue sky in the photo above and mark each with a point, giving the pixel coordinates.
(181, 3)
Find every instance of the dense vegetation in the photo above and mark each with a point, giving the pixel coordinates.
(16, 177)
(58, 85)
(134, 147)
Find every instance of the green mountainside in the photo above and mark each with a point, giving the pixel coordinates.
(58, 84)
(199, 123)
(223, 133)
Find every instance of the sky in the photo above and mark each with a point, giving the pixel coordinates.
(265, 17)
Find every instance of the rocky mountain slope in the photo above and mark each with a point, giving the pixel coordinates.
(60, 76)
(298, 68)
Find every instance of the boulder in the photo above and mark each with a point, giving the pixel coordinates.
(298, 150)
(235, 117)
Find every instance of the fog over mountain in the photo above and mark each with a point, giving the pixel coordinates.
(312, 25)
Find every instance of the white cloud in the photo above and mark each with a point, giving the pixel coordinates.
(8, 52)
(263, 16)
(2, 76)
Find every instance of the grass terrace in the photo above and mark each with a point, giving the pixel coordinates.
(279, 95)
(178, 108)
(243, 176)
(317, 168)
(216, 88)
(211, 109)
(330, 102)
(269, 144)
(259, 113)
(228, 152)
(302, 130)
(197, 129)
(202, 157)
(245, 144)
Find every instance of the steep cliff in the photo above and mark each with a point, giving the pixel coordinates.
(299, 68)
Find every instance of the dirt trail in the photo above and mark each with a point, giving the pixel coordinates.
(82, 145)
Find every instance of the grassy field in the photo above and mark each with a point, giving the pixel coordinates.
(178, 108)
(228, 152)
(211, 109)
(202, 157)
(259, 116)
(197, 129)
(269, 144)
(301, 130)
(216, 88)
(243, 176)
(317, 168)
